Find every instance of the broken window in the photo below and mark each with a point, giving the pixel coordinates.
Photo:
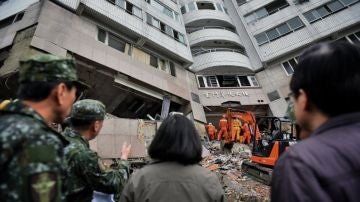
(10, 20)
(227, 81)
(205, 6)
(244, 81)
(116, 42)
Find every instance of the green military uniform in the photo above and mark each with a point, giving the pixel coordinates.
(31, 153)
(85, 170)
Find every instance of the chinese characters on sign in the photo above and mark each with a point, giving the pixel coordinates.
(224, 94)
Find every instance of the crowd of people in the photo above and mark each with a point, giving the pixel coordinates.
(39, 164)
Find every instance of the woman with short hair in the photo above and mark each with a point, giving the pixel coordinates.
(175, 173)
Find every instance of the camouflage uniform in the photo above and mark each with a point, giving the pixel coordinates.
(31, 153)
(86, 171)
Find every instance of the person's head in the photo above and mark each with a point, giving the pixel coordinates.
(326, 81)
(87, 116)
(210, 123)
(223, 115)
(48, 77)
(176, 140)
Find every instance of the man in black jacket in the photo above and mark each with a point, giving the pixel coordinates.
(325, 89)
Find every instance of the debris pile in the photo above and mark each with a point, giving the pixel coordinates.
(227, 165)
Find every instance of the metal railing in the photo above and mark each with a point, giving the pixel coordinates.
(190, 30)
(197, 52)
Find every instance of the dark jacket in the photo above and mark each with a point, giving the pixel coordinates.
(86, 173)
(170, 181)
(324, 167)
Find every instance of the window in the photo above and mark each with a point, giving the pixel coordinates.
(205, 6)
(254, 81)
(290, 65)
(274, 95)
(355, 37)
(226, 81)
(261, 38)
(165, 28)
(283, 29)
(327, 9)
(279, 31)
(191, 6)
(348, 2)
(219, 7)
(101, 35)
(165, 9)
(311, 16)
(136, 53)
(335, 6)
(201, 82)
(295, 23)
(128, 7)
(211, 81)
(183, 9)
(267, 10)
(111, 40)
(11, 19)
(116, 43)
(172, 69)
(120, 3)
(19, 16)
(244, 81)
(272, 34)
(153, 61)
(323, 11)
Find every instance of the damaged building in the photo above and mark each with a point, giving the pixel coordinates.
(136, 69)
(145, 57)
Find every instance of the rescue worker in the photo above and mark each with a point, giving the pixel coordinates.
(86, 172)
(236, 128)
(246, 133)
(211, 130)
(31, 152)
(223, 124)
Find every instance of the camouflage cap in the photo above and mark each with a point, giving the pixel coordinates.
(88, 109)
(48, 68)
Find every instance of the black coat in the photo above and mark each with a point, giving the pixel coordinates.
(324, 167)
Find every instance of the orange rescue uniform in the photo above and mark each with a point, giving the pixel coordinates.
(246, 134)
(236, 127)
(223, 124)
(211, 130)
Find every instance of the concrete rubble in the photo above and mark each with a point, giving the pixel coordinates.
(238, 186)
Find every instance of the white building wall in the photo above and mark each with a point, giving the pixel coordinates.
(12, 7)
(213, 34)
(221, 58)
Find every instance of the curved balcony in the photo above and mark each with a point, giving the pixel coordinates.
(218, 57)
(207, 17)
(212, 33)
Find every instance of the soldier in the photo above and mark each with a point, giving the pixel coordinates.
(85, 171)
(31, 153)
